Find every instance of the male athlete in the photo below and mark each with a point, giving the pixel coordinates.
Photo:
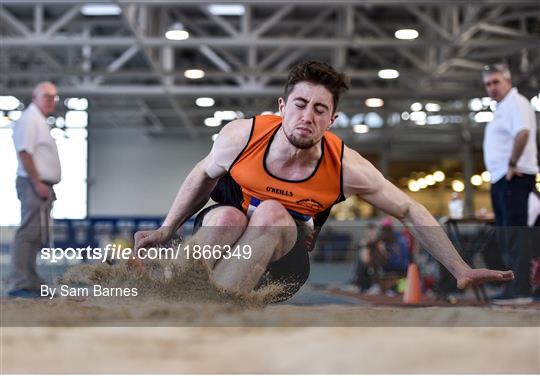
(275, 179)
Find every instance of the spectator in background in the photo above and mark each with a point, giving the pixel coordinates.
(412, 245)
(393, 247)
(510, 155)
(38, 171)
(364, 270)
(387, 253)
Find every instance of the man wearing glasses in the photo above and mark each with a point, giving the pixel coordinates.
(38, 171)
(510, 156)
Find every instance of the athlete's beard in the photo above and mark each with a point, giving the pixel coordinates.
(300, 143)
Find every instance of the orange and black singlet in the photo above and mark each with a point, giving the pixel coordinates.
(249, 182)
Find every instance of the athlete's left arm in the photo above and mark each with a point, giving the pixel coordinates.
(361, 178)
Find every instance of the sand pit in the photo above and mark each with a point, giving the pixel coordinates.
(156, 312)
(279, 347)
(185, 296)
(206, 332)
(270, 350)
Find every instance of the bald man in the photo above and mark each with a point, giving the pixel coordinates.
(37, 173)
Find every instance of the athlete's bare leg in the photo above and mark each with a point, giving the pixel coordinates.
(221, 226)
(271, 233)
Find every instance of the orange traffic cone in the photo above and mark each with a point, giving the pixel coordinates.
(412, 291)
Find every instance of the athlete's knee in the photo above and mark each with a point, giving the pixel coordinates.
(276, 220)
(272, 213)
(225, 216)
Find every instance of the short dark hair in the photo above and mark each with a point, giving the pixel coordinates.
(318, 73)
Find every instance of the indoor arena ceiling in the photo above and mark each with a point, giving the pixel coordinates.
(135, 77)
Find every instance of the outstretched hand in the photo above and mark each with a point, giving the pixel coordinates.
(151, 238)
(147, 239)
(477, 276)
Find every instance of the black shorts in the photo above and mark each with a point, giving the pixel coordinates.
(292, 270)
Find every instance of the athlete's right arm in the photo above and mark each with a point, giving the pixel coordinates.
(195, 191)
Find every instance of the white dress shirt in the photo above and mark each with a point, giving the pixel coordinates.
(31, 133)
(513, 114)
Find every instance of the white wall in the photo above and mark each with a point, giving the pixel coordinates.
(131, 174)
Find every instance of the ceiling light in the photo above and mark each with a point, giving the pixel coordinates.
(430, 179)
(416, 106)
(418, 116)
(357, 119)
(342, 120)
(78, 104)
(435, 119)
(476, 180)
(413, 186)
(360, 128)
(76, 119)
(227, 9)
(406, 34)
(458, 186)
(225, 115)
(212, 122)
(194, 74)
(433, 107)
(101, 10)
(439, 176)
(9, 103)
(483, 117)
(60, 122)
(177, 32)
(374, 102)
(205, 102)
(475, 104)
(373, 120)
(486, 176)
(486, 101)
(388, 74)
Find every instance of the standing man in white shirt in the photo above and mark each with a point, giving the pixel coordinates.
(510, 156)
(38, 171)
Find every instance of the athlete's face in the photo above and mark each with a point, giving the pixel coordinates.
(307, 113)
(497, 86)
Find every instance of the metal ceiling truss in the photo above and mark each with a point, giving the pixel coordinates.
(246, 58)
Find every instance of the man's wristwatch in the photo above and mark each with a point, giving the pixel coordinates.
(512, 164)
